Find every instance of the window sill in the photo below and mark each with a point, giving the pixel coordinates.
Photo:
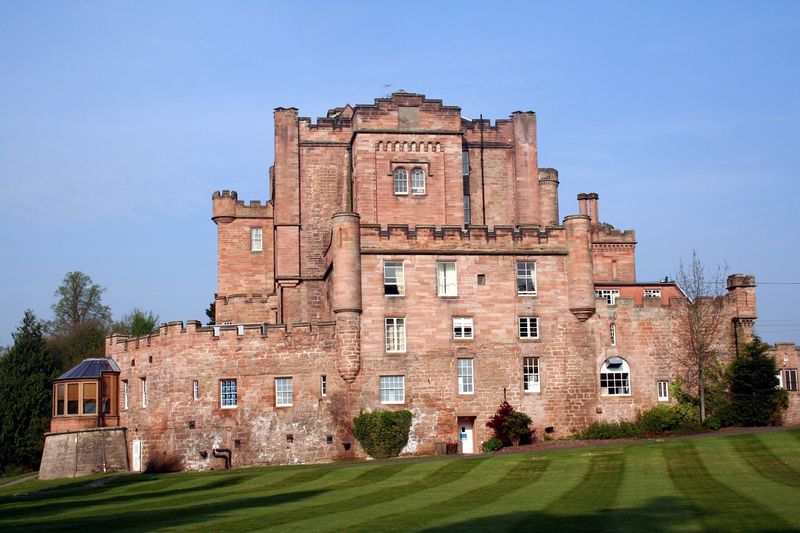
(466, 394)
(529, 339)
(532, 391)
(526, 294)
(284, 406)
(461, 339)
(228, 406)
(394, 295)
(393, 403)
(447, 297)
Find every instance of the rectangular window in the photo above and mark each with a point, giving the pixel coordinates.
(466, 384)
(446, 284)
(613, 331)
(790, 379)
(144, 391)
(72, 398)
(652, 293)
(530, 374)
(125, 393)
(462, 327)
(465, 163)
(394, 279)
(283, 392)
(779, 375)
(60, 398)
(323, 386)
(528, 327)
(663, 391)
(526, 277)
(467, 210)
(256, 240)
(195, 390)
(227, 393)
(610, 296)
(395, 334)
(89, 399)
(393, 389)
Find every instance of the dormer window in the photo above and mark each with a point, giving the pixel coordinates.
(401, 181)
(417, 181)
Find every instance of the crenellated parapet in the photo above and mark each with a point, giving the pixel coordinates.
(481, 132)
(192, 333)
(226, 207)
(497, 240)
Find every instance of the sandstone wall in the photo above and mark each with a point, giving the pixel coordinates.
(84, 452)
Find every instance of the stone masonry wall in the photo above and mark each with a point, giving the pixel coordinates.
(84, 452)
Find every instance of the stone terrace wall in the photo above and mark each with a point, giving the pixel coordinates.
(80, 453)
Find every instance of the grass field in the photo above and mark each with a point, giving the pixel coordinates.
(746, 482)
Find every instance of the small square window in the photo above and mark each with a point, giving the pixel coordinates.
(481, 279)
(393, 389)
(227, 390)
(394, 278)
(528, 327)
(526, 278)
(462, 327)
(256, 240)
(283, 392)
(446, 280)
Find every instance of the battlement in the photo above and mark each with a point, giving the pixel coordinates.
(499, 240)
(403, 98)
(226, 207)
(192, 333)
(609, 235)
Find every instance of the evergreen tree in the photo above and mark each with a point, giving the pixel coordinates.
(26, 371)
(756, 399)
(137, 323)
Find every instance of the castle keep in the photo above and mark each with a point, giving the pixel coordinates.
(408, 258)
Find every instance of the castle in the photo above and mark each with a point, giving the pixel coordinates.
(408, 258)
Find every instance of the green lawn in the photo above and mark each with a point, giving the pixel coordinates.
(739, 483)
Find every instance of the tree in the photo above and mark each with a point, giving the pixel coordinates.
(85, 340)
(510, 426)
(25, 396)
(698, 325)
(137, 323)
(211, 313)
(79, 302)
(756, 399)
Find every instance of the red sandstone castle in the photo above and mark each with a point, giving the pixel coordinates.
(408, 259)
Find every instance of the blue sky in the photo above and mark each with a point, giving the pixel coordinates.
(119, 119)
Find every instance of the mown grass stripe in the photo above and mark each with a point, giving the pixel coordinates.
(761, 459)
(521, 474)
(716, 506)
(446, 473)
(598, 488)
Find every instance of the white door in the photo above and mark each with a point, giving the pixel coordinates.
(136, 448)
(465, 435)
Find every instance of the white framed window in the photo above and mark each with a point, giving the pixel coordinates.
(394, 278)
(462, 327)
(528, 327)
(467, 210)
(465, 163)
(125, 393)
(400, 180)
(615, 377)
(652, 293)
(466, 382)
(395, 334)
(417, 181)
(323, 385)
(256, 240)
(526, 278)
(195, 390)
(283, 392)
(530, 374)
(227, 393)
(790, 379)
(663, 390)
(612, 330)
(446, 279)
(609, 295)
(143, 382)
(779, 375)
(393, 389)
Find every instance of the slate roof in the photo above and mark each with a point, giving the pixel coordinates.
(90, 368)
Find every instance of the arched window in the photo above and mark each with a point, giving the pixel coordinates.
(615, 377)
(418, 181)
(401, 181)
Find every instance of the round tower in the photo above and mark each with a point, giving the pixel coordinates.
(579, 266)
(346, 293)
(548, 196)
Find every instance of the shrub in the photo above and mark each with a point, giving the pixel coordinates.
(516, 427)
(382, 433)
(664, 418)
(492, 445)
(163, 463)
(521, 434)
(610, 430)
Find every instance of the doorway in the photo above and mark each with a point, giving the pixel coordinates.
(136, 460)
(466, 434)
